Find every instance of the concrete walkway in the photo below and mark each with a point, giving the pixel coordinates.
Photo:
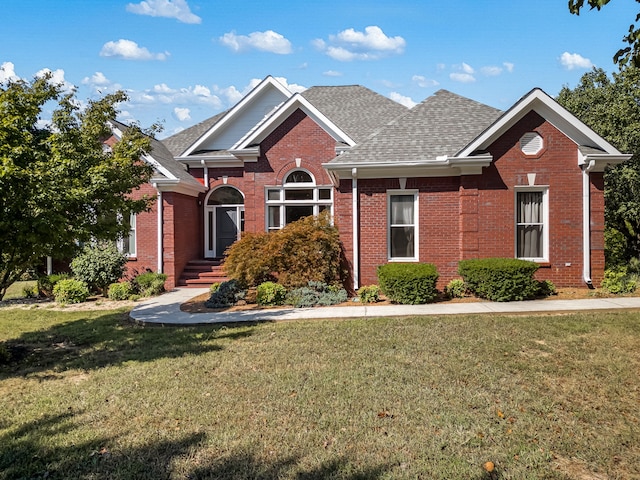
(165, 309)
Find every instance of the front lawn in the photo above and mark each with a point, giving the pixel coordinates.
(90, 395)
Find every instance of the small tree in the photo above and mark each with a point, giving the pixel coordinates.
(99, 265)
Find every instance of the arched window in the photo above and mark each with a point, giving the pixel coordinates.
(298, 197)
(225, 196)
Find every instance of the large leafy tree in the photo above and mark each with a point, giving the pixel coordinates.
(611, 107)
(625, 56)
(59, 185)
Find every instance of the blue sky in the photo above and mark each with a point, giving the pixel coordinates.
(182, 61)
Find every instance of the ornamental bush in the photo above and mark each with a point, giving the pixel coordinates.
(70, 290)
(121, 291)
(500, 279)
(408, 283)
(99, 265)
(227, 294)
(316, 294)
(456, 288)
(306, 250)
(369, 293)
(150, 284)
(47, 282)
(619, 281)
(270, 294)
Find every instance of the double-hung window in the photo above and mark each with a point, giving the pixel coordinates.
(532, 224)
(402, 214)
(127, 244)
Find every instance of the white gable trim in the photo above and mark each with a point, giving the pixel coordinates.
(269, 81)
(282, 113)
(549, 109)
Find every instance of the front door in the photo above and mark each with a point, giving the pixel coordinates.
(224, 225)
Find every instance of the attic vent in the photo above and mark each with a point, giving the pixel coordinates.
(531, 143)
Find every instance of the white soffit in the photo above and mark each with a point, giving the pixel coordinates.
(268, 83)
(538, 101)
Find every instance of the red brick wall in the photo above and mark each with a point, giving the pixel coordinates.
(146, 236)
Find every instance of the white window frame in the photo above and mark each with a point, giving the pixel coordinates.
(281, 203)
(415, 225)
(544, 189)
(133, 246)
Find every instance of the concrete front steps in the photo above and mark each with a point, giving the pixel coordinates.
(202, 273)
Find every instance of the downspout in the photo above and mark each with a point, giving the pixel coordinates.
(586, 221)
(354, 207)
(206, 173)
(160, 230)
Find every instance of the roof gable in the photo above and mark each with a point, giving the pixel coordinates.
(545, 106)
(228, 129)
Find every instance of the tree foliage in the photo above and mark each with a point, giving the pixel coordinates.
(59, 186)
(625, 56)
(611, 107)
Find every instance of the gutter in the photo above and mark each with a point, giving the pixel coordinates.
(160, 230)
(356, 221)
(586, 219)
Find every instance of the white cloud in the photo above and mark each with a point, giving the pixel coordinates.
(350, 44)
(462, 77)
(293, 87)
(424, 82)
(402, 100)
(97, 78)
(466, 68)
(332, 73)
(268, 41)
(57, 78)
(178, 9)
(491, 71)
(508, 66)
(163, 88)
(8, 72)
(201, 91)
(571, 61)
(182, 114)
(129, 50)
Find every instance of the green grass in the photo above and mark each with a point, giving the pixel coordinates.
(16, 290)
(90, 395)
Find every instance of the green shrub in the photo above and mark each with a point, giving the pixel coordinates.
(615, 248)
(70, 290)
(30, 291)
(369, 293)
(150, 284)
(120, 291)
(306, 250)
(408, 283)
(456, 288)
(227, 295)
(214, 287)
(618, 281)
(47, 282)
(316, 294)
(500, 279)
(270, 294)
(546, 288)
(99, 265)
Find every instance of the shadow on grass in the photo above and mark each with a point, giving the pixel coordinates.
(35, 450)
(94, 341)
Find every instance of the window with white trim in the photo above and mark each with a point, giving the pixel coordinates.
(298, 197)
(127, 244)
(402, 215)
(532, 224)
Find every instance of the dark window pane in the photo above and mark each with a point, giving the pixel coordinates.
(402, 242)
(295, 212)
(226, 196)
(324, 194)
(305, 194)
(299, 177)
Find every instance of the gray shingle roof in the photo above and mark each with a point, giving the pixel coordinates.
(179, 142)
(441, 125)
(164, 157)
(356, 110)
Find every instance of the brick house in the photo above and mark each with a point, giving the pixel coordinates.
(449, 179)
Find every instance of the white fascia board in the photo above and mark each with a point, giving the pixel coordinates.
(155, 164)
(601, 160)
(538, 101)
(177, 186)
(235, 111)
(115, 130)
(286, 109)
(445, 167)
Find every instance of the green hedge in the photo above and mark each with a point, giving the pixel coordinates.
(500, 279)
(408, 283)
